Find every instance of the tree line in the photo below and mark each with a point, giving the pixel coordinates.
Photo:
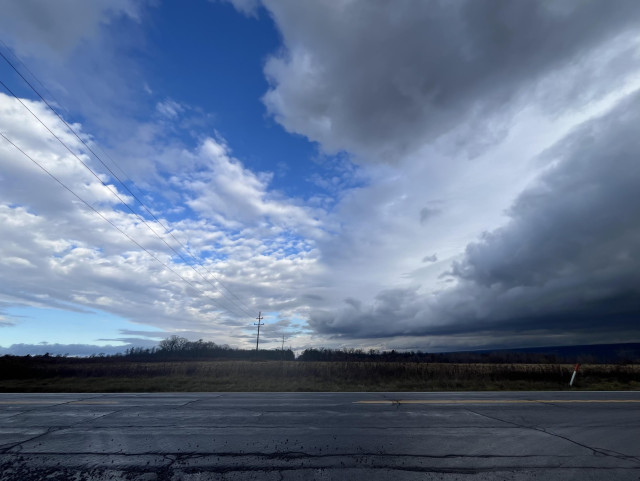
(176, 348)
(373, 355)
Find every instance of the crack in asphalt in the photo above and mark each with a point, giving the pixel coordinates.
(165, 473)
(167, 465)
(595, 451)
(176, 464)
(4, 449)
(110, 413)
(287, 455)
(48, 406)
(264, 427)
(172, 469)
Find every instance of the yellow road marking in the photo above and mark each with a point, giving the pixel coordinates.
(495, 401)
(29, 402)
(94, 402)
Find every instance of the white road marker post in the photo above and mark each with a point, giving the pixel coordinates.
(573, 376)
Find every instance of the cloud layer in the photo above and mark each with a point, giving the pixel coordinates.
(484, 194)
(565, 264)
(43, 28)
(57, 253)
(379, 80)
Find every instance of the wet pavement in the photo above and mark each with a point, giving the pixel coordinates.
(295, 436)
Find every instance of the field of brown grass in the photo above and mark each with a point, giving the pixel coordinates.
(78, 375)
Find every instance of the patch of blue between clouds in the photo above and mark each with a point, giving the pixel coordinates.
(234, 83)
(42, 325)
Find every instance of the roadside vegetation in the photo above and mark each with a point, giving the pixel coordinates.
(181, 365)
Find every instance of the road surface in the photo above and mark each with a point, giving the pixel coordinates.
(332, 436)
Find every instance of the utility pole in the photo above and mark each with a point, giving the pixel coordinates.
(283, 343)
(259, 318)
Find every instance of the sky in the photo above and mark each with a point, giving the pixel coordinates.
(437, 175)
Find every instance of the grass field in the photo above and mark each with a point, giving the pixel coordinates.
(78, 375)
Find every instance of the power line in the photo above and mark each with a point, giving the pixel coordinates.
(15, 56)
(237, 302)
(143, 220)
(103, 217)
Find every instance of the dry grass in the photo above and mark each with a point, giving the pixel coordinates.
(75, 375)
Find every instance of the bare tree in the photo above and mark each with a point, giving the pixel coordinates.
(173, 344)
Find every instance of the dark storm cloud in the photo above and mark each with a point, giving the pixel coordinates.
(568, 261)
(379, 79)
(394, 312)
(572, 247)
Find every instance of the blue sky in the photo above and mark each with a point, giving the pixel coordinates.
(410, 175)
(209, 58)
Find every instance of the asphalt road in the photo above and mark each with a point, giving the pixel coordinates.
(341, 436)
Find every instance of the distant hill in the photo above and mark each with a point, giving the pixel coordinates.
(589, 353)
